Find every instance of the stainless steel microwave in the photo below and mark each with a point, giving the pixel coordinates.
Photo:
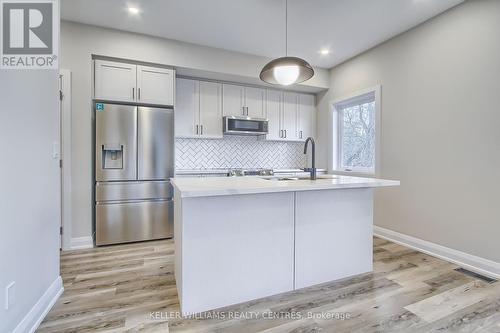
(245, 125)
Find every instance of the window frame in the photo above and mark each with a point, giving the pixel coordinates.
(337, 106)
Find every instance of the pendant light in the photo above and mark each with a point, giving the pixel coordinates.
(286, 70)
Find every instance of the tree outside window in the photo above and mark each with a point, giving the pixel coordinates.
(358, 136)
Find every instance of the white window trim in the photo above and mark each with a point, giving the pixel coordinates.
(334, 161)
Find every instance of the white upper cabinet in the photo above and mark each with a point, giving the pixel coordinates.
(233, 100)
(306, 121)
(243, 101)
(115, 81)
(201, 105)
(124, 82)
(254, 102)
(274, 105)
(289, 118)
(187, 108)
(198, 109)
(155, 85)
(210, 110)
(292, 116)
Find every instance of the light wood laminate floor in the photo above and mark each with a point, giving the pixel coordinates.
(131, 288)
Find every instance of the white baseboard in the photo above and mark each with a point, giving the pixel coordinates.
(38, 312)
(468, 261)
(78, 243)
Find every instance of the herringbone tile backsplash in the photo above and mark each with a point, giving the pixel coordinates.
(237, 152)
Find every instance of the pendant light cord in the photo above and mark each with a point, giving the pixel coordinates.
(286, 28)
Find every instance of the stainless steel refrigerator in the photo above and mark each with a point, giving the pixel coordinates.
(134, 160)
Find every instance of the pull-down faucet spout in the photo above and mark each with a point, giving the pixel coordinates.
(312, 170)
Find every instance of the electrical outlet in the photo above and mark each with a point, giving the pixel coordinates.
(9, 295)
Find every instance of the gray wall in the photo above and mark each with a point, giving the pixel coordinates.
(29, 190)
(79, 42)
(440, 127)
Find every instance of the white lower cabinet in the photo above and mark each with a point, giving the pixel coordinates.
(229, 252)
(198, 109)
(333, 235)
(242, 254)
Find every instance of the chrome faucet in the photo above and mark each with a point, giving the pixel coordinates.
(312, 170)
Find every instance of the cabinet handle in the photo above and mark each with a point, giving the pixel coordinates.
(139, 93)
(285, 133)
(301, 134)
(197, 126)
(281, 133)
(201, 129)
(133, 93)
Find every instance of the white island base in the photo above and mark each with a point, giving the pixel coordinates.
(235, 248)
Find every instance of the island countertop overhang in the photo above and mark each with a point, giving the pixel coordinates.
(220, 186)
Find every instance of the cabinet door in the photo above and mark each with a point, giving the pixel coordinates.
(210, 110)
(289, 116)
(155, 85)
(115, 81)
(187, 108)
(254, 102)
(232, 100)
(274, 105)
(329, 222)
(307, 117)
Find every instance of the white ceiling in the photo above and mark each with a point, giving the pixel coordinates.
(346, 27)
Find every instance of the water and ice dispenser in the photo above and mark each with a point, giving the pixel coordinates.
(112, 156)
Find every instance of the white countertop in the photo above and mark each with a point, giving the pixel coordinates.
(203, 187)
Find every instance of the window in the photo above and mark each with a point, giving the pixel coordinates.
(356, 124)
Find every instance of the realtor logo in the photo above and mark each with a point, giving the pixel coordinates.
(29, 34)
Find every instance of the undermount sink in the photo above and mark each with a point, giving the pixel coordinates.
(286, 178)
(320, 177)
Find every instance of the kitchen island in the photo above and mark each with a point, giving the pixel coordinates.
(243, 238)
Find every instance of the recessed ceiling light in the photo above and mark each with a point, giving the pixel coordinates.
(133, 10)
(324, 51)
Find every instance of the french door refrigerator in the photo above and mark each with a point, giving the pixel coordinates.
(134, 160)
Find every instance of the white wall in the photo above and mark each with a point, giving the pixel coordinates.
(440, 127)
(29, 192)
(80, 41)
